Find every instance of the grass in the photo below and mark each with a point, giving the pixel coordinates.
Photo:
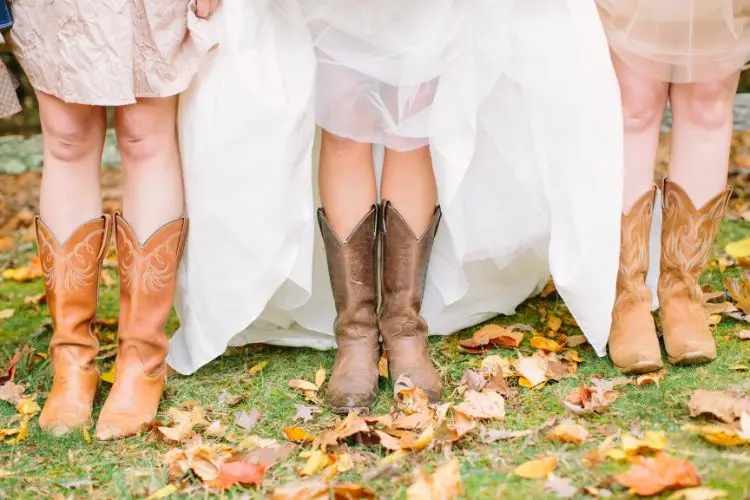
(42, 466)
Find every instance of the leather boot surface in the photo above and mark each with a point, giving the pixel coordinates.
(687, 236)
(353, 384)
(633, 343)
(405, 258)
(148, 276)
(71, 280)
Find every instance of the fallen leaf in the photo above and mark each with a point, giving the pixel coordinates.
(717, 434)
(533, 369)
(316, 461)
(297, 435)
(108, 376)
(107, 280)
(203, 460)
(483, 405)
(743, 335)
(721, 405)
(247, 420)
(739, 249)
(575, 340)
(651, 475)
(85, 434)
(35, 300)
(305, 413)
(228, 399)
(492, 335)
(238, 472)
(740, 291)
(554, 323)
(650, 378)
(316, 489)
(443, 484)
(585, 400)
(7, 313)
(545, 344)
(215, 429)
(320, 377)
(537, 469)
(257, 368)
(568, 432)
(697, 493)
(560, 487)
(27, 407)
(303, 385)
(11, 392)
(163, 492)
(383, 366)
(493, 435)
(7, 243)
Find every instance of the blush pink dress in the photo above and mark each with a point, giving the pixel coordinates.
(679, 40)
(8, 100)
(109, 52)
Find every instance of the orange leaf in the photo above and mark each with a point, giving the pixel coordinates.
(297, 435)
(240, 472)
(545, 344)
(651, 475)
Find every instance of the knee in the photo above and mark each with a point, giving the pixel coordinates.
(341, 145)
(708, 105)
(145, 131)
(642, 110)
(139, 145)
(72, 140)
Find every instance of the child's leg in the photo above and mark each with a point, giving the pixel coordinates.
(643, 103)
(347, 182)
(73, 144)
(409, 184)
(701, 138)
(147, 136)
(695, 198)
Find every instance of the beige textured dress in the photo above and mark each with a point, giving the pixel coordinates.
(679, 40)
(109, 52)
(8, 100)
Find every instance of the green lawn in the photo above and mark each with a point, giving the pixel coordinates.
(42, 466)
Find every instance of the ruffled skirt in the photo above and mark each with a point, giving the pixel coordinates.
(519, 104)
(109, 53)
(679, 40)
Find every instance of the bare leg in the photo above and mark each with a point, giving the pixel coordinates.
(409, 184)
(347, 182)
(643, 103)
(702, 136)
(73, 144)
(147, 135)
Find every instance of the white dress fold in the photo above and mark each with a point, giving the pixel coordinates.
(519, 104)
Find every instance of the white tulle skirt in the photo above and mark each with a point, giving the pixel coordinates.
(679, 40)
(519, 104)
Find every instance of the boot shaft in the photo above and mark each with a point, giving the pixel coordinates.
(634, 250)
(71, 280)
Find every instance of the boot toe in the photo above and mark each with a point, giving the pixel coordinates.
(357, 396)
(61, 421)
(119, 425)
(426, 378)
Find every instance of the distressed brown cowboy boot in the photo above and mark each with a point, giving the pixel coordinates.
(633, 344)
(148, 277)
(405, 258)
(686, 240)
(71, 280)
(353, 384)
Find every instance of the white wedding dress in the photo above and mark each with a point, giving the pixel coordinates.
(522, 111)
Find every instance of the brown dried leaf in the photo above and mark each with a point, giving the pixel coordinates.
(652, 475)
(11, 392)
(650, 378)
(721, 405)
(483, 405)
(238, 472)
(247, 420)
(317, 489)
(743, 335)
(533, 369)
(568, 432)
(490, 335)
(305, 413)
(444, 483)
(575, 340)
(303, 385)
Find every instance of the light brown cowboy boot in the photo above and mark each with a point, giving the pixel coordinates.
(405, 258)
(633, 344)
(353, 384)
(686, 240)
(148, 277)
(71, 280)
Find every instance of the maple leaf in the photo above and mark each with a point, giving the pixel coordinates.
(247, 420)
(595, 399)
(297, 435)
(651, 475)
(720, 405)
(560, 487)
(305, 413)
(238, 472)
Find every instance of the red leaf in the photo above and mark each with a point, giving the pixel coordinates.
(239, 472)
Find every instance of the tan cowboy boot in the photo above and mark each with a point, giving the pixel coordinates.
(353, 384)
(148, 277)
(633, 344)
(686, 240)
(405, 258)
(71, 280)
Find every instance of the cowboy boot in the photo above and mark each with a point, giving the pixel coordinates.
(71, 281)
(148, 277)
(633, 344)
(686, 240)
(353, 384)
(405, 258)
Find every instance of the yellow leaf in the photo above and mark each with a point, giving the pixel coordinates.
(697, 493)
(7, 313)
(532, 368)
(554, 323)
(650, 378)
(316, 461)
(303, 385)
(383, 366)
(394, 458)
(108, 377)
(23, 430)
(717, 434)
(257, 368)
(320, 377)
(739, 249)
(344, 463)
(652, 441)
(27, 407)
(163, 492)
(537, 469)
(86, 436)
(444, 483)
(297, 435)
(425, 438)
(545, 344)
(568, 432)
